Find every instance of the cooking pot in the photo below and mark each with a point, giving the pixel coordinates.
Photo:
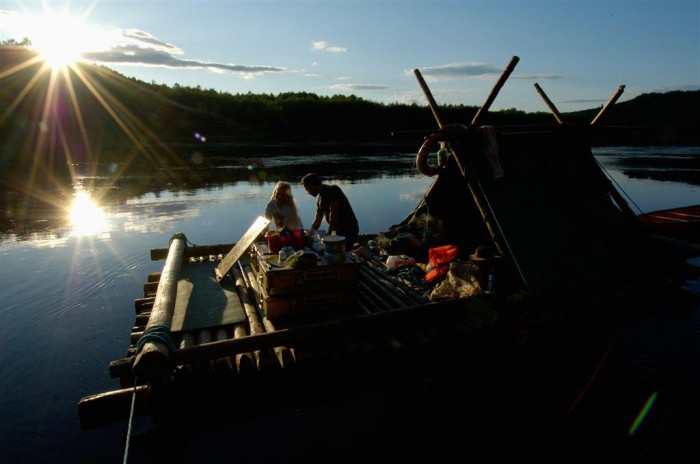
(334, 244)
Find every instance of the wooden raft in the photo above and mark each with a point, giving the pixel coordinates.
(391, 315)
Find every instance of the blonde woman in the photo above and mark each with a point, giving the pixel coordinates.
(281, 209)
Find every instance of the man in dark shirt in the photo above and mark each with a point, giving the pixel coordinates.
(333, 205)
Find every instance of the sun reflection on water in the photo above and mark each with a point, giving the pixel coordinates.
(86, 215)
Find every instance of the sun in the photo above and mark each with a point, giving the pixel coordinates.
(61, 40)
(86, 216)
(59, 37)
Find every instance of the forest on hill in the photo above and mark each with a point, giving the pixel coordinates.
(93, 112)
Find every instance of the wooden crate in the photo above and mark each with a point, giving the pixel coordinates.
(318, 279)
(321, 303)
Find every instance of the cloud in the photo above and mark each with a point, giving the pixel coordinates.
(358, 87)
(139, 48)
(139, 36)
(457, 70)
(471, 69)
(322, 45)
(134, 55)
(534, 77)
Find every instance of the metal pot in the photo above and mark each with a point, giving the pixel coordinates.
(334, 244)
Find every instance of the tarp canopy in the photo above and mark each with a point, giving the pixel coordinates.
(538, 193)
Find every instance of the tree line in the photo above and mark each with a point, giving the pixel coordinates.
(116, 113)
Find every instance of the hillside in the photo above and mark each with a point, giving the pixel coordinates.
(94, 114)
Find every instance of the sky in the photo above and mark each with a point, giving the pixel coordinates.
(578, 52)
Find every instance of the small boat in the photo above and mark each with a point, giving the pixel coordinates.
(520, 222)
(681, 223)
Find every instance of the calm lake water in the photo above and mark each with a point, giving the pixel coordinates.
(69, 278)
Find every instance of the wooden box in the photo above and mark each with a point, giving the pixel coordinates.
(312, 280)
(322, 303)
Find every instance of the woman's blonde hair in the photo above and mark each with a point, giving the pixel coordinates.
(287, 189)
(281, 187)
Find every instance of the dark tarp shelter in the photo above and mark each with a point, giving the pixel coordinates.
(554, 216)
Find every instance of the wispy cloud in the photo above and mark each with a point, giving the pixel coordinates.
(358, 87)
(139, 48)
(145, 39)
(322, 45)
(471, 69)
(457, 70)
(134, 55)
(543, 77)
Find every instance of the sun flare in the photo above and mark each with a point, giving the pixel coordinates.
(59, 37)
(61, 41)
(87, 218)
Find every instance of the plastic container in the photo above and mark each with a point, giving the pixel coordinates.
(298, 239)
(315, 242)
(274, 241)
(285, 252)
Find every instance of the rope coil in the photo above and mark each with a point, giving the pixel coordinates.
(156, 333)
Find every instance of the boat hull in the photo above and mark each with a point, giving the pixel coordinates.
(680, 223)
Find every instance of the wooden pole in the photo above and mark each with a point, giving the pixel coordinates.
(245, 362)
(152, 360)
(549, 103)
(431, 101)
(608, 105)
(494, 91)
(465, 166)
(254, 323)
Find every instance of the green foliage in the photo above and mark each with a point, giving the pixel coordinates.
(24, 43)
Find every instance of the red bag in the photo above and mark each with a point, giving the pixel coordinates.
(439, 259)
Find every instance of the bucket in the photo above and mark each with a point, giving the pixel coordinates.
(295, 239)
(287, 240)
(299, 239)
(274, 241)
